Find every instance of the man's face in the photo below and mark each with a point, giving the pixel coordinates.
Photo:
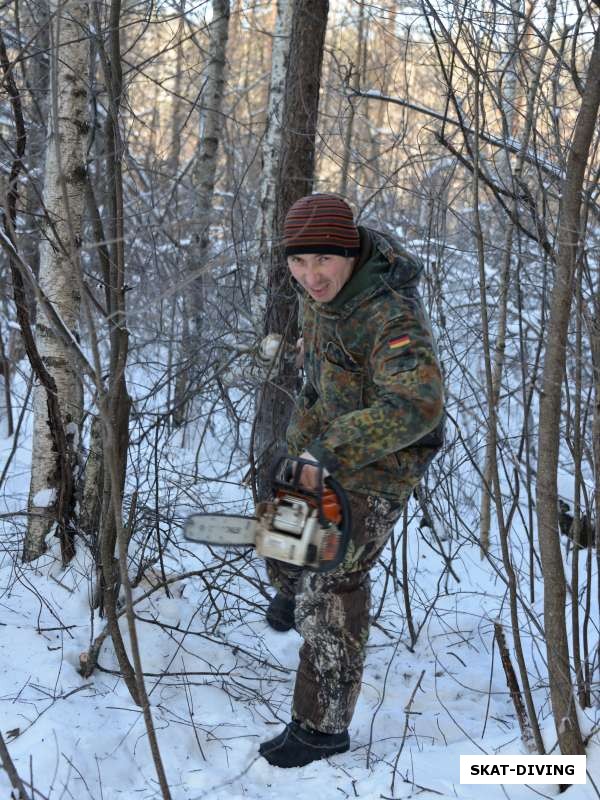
(322, 275)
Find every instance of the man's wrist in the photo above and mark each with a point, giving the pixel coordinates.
(308, 456)
(323, 456)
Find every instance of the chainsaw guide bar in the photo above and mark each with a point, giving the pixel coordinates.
(300, 526)
(221, 529)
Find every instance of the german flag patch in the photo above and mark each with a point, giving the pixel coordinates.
(399, 342)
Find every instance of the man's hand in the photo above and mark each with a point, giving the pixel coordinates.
(309, 476)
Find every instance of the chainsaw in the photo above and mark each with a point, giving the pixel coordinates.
(306, 528)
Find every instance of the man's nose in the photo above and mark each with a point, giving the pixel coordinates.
(314, 278)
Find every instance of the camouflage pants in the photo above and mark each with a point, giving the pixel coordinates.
(332, 616)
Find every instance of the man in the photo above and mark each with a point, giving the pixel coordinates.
(369, 414)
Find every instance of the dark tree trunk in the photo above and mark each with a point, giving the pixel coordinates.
(295, 179)
(569, 239)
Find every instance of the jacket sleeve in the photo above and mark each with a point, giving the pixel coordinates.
(408, 392)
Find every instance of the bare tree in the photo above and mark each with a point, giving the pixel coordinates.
(295, 176)
(204, 172)
(476, 178)
(271, 149)
(354, 71)
(509, 101)
(64, 193)
(35, 28)
(569, 243)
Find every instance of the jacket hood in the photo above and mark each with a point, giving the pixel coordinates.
(383, 264)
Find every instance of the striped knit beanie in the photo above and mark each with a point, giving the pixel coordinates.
(321, 223)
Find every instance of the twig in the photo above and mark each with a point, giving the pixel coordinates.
(380, 704)
(407, 709)
(453, 718)
(405, 581)
(550, 169)
(11, 771)
(159, 543)
(489, 696)
(190, 704)
(209, 792)
(17, 431)
(514, 688)
(416, 786)
(593, 782)
(63, 586)
(89, 659)
(432, 526)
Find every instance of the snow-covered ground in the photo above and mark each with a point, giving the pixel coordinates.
(220, 681)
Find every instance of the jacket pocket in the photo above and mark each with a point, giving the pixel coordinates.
(400, 364)
(342, 381)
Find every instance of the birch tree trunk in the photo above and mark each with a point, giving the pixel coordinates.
(64, 192)
(203, 183)
(569, 240)
(295, 176)
(270, 155)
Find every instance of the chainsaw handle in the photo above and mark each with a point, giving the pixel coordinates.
(335, 496)
(331, 500)
(334, 503)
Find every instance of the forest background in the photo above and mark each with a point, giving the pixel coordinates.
(148, 154)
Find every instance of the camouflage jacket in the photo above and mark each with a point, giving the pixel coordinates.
(371, 406)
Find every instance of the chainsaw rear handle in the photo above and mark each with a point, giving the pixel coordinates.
(330, 498)
(335, 496)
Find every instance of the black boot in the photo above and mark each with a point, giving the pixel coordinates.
(297, 747)
(280, 613)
